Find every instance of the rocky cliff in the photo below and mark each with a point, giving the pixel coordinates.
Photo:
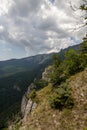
(46, 118)
(46, 73)
(27, 105)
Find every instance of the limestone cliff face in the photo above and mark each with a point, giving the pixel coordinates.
(29, 108)
(46, 73)
(27, 105)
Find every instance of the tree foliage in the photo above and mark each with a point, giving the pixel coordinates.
(57, 70)
(40, 83)
(74, 62)
(83, 47)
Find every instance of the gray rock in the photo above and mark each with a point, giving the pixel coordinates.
(46, 73)
(24, 104)
(26, 98)
(27, 105)
(29, 108)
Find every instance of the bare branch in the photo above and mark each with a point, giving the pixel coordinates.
(74, 8)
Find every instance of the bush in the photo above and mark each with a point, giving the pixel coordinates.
(40, 83)
(55, 101)
(61, 98)
(32, 95)
(72, 62)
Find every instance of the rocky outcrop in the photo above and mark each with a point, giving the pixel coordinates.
(29, 108)
(46, 74)
(27, 105)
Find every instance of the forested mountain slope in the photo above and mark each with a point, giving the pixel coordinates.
(15, 76)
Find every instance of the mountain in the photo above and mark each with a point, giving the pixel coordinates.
(15, 77)
(43, 117)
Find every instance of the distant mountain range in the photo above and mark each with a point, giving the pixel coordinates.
(15, 77)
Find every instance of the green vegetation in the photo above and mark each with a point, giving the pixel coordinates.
(69, 117)
(39, 83)
(32, 95)
(61, 97)
(74, 62)
(83, 47)
(55, 76)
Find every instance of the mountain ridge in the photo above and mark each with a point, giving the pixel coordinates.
(21, 74)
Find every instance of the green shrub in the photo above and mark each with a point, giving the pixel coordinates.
(55, 101)
(40, 83)
(61, 98)
(32, 95)
(69, 103)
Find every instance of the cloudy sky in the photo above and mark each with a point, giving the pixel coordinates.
(30, 27)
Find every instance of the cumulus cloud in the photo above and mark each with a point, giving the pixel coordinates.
(40, 26)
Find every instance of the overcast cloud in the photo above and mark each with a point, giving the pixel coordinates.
(30, 27)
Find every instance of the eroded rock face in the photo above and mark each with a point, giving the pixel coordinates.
(46, 73)
(27, 105)
(23, 104)
(29, 108)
